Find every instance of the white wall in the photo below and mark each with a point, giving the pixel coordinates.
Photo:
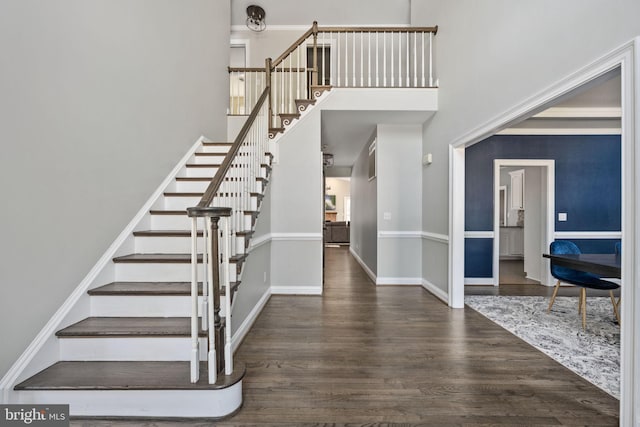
(99, 100)
(534, 214)
(399, 170)
(341, 188)
(296, 209)
(364, 211)
(492, 55)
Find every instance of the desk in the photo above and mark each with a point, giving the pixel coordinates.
(605, 265)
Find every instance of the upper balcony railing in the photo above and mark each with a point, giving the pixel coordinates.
(323, 57)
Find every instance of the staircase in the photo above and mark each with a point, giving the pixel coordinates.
(149, 335)
(130, 357)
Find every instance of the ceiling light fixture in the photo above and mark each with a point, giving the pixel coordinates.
(255, 18)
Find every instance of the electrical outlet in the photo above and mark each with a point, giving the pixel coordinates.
(562, 216)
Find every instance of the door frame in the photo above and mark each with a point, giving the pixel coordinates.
(549, 219)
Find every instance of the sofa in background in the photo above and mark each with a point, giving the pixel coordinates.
(336, 232)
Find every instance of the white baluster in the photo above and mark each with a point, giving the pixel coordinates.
(430, 59)
(324, 60)
(422, 45)
(377, 62)
(369, 62)
(298, 73)
(338, 54)
(399, 59)
(384, 59)
(353, 57)
(289, 100)
(361, 59)
(415, 59)
(331, 49)
(282, 88)
(346, 59)
(408, 77)
(195, 360)
(205, 260)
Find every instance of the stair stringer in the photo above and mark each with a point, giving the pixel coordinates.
(44, 349)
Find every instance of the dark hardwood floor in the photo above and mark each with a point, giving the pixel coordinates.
(366, 355)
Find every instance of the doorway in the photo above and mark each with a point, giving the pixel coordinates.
(524, 225)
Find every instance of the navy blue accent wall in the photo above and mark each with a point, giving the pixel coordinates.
(478, 257)
(587, 187)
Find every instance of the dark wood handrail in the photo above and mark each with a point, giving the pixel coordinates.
(217, 180)
(433, 30)
(245, 69)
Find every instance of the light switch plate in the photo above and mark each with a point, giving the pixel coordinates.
(562, 216)
(387, 216)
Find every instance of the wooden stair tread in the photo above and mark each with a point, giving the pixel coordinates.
(203, 165)
(214, 144)
(129, 327)
(167, 212)
(165, 258)
(151, 289)
(173, 194)
(164, 233)
(128, 375)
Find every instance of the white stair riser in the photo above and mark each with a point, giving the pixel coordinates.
(214, 149)
(201, 172)
(145, 305)
(204, 160)
(180, 203)
(141, 403)
(129, 349)
(165, 245)
(191, 186)
(170, 222)
(159, 272)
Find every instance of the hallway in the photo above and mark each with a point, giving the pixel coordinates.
(365, 354)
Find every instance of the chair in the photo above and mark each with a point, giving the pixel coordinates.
(582, 279)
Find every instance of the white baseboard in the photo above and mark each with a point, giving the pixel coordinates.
(364, 266)
(7, 382)
(436, 291)
(245, 327)
(409, 281)
(296, 290)
(483, 281)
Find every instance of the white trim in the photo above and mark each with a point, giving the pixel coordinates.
(436, 291)
(548, 222)
(364, 266)
(560, 131)
(479, 234)
(259, 241)
(588, 235)
(54, 322)
(627, 59)
(294, 237)
(296, 290)
(245, 327)
(455, 264)
(580, 113)
(399, 281)
(482, 281)
(399, 234)
(205, 403)
(435, 237)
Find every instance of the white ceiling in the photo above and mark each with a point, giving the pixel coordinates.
(326, 12)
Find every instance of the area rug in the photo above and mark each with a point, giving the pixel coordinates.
(594, 353)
